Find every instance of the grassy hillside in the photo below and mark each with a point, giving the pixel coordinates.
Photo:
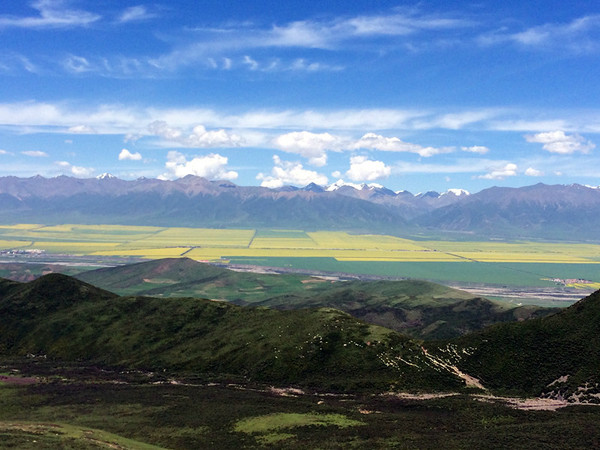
(420, 309)
(69, 320)
(556, 355)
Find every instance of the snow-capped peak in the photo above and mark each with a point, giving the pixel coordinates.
(457, 192)
(106, 176)
(359, 187)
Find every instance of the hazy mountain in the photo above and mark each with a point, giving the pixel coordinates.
(539, 211)
(560, 212)
(189, 201)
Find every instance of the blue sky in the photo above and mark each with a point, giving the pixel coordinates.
(411, 95)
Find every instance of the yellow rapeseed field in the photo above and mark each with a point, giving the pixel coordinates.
(215, 244)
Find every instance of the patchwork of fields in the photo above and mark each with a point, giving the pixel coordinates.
(277, 247)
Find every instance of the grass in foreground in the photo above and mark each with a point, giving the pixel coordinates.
(87, 408)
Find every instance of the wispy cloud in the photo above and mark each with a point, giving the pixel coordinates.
(51, 14)
(341, 34)
(14, 62)
(374, 141)
(480, 149)
(35, 153)
(581, 35)
(349, 128)
(135, 14)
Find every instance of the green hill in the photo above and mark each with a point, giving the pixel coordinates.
(69, 320)
(66, 319)
(419, 309)
(556, 356)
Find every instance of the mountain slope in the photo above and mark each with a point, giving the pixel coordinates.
(419, 309)
(66, 319)
(558, 355)
(413, 308)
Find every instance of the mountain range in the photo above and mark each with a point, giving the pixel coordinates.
(539, 211)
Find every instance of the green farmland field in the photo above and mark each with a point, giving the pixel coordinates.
(510, 263)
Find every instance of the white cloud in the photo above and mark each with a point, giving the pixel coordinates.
(35, 153)
(561, 143)
(374, 141)
(509, 170)
(480, 149)
(82, 171)
(200, 137)
(127, 155)
(212, 166)
(310, 145)
(287, 172)
(81, 129)
(364, 169)
(531, 172)
(5, 152)
(135, 14)
(52, 14)
(76, 170)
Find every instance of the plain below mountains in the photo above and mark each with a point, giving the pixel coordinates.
(419, 309)
(539, 211)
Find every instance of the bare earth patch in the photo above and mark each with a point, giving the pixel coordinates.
(18, 380)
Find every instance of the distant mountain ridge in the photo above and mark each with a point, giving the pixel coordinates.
(538, 211)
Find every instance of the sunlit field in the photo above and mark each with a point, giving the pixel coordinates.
(220, 244)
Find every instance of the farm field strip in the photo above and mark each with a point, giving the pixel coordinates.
(218, 244)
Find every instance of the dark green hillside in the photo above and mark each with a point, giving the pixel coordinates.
(184, 277)
(557, 355)
(69, 320)
(420, 309)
